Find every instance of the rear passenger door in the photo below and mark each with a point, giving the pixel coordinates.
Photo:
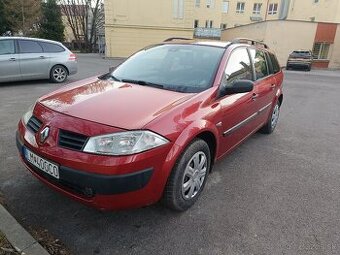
(34, 63)
(9, 61)
(264, 87)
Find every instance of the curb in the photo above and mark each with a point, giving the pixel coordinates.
(20, 239)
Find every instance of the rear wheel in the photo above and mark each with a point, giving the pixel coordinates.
(269, 127)
(58, 74)
(188, 177)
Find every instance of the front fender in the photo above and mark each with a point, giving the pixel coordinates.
(184, 139)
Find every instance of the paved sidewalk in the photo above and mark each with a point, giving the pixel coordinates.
(20, 239)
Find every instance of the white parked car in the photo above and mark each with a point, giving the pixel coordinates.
(32, 59)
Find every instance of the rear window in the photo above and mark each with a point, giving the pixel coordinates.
(27, 46)
(301, 53)
(7, 47)
(51, 47)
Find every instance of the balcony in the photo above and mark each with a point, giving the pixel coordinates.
(211, 33)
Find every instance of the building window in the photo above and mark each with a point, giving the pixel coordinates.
(257, 8)
(320, 50)
(178, 9)
(225, 6)
(210, 3)
(196, 23)
(316, 1)
(223, 26)
(240, 7)
(208, 23)
(197, 3)
(272, 9)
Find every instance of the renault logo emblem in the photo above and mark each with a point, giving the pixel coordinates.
(44, 134)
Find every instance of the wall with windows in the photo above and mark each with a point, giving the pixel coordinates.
(207, 13)
(315, 10)
(134, 24)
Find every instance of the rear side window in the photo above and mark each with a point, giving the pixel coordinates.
(260, 63)
(27, 46)
(7, 47)
(51, 47)
(275, 64)
(238, 67)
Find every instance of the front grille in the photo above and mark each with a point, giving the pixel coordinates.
(34, 124)
(72, 140)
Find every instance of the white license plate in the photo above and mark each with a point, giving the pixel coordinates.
(42, 164)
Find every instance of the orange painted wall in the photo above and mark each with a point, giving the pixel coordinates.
(325, 32)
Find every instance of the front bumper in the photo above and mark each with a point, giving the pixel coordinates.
(89, 184)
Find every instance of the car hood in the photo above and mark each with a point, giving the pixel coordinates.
(117, 104)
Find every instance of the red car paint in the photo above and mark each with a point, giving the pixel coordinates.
(94, 107)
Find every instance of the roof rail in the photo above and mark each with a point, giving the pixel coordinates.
(249, 41)
(177, 38)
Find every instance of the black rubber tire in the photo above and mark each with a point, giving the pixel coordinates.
(309, 68)
(172, 196)
(268, 128)
(54, 68)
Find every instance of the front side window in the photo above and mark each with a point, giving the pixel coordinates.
(272, 9)
(257, 8)
(275, 63)
(260, 63)
(240, 7)
(27, 46)
(182, 68)
(238, 67)
(7, 47)
(320, 50)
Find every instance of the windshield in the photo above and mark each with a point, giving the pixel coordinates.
(183, 68)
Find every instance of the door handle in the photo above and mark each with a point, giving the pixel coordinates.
(272, 86)
(254, 96)
(12, 59)
(42, 57)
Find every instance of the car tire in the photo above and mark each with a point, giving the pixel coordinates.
(269, 127)
(58, 74)
(188, 177)
(309, 68)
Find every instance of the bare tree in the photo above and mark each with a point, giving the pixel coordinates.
(84, 18)
(23, 15)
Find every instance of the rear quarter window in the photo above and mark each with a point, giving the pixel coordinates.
(275, 64)
(51, 47)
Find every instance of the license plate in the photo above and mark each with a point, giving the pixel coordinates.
(42, 164)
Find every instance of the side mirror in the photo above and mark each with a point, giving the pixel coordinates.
(238, 86)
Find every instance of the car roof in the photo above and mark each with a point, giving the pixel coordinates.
(29, 38)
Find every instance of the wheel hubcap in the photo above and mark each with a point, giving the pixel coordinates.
(275, 115)
(194, 175)
(59, 74)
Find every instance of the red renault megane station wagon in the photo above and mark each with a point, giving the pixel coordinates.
(152, 128)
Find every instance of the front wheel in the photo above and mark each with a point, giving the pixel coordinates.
(58, 74)
(188, 177)
(269, 127)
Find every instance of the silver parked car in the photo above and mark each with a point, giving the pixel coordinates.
(32, 59)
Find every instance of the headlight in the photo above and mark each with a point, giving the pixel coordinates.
(124, 143)
(28, 114)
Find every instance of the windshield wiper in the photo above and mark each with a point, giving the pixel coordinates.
(114, 78)
(143, 83)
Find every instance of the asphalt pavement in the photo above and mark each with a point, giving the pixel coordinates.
(276, 194)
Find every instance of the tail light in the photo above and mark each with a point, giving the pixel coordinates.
(72, 57)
